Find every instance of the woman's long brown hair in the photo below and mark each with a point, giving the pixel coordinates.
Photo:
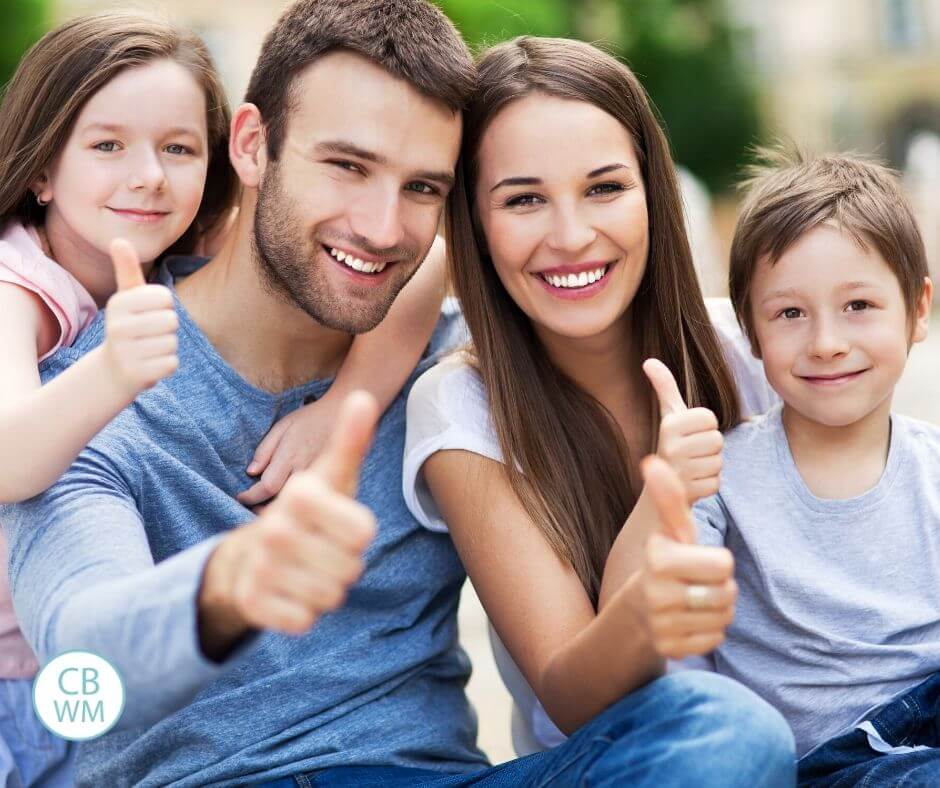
(565, 456)
(64, 69)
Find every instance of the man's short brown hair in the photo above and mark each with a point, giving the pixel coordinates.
(411, 39)
(790, 193)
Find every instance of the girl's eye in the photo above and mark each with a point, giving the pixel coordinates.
(605, 188)
(106, 147)
(177, 149)
(790, 313)
(522, 201)
(858, 306)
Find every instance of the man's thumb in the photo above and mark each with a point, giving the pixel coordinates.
(669, 499)
(341, 458)
(127, 270)
(665, 386)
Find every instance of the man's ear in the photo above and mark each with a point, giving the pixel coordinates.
(922, 312)
(246, 147)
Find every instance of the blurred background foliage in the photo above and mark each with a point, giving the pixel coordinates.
(24, 22)
(682, 50)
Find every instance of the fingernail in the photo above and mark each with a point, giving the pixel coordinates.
(253, 468)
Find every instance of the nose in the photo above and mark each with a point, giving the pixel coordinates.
(377, 218)
(570, 232)
(146, 172)
(827, 341)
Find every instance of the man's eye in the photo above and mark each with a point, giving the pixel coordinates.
(419, 187)
(349, 166)
(106, 147)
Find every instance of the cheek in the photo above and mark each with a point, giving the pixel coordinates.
(511, 241)
(79, 184)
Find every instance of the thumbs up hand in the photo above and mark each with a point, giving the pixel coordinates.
(689, 439)
(298, 560)
(140, 325)
(685, 592)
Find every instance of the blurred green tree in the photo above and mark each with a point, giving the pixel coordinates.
(684, 52)
(24, 22)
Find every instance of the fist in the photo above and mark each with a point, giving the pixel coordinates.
(689, 439)
(140, 325)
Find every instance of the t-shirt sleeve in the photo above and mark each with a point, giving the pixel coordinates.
(447, 409)
(83, 578)
(711, 524)
(755, 393)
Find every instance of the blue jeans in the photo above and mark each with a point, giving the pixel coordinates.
(30, 756)
(910, 721)
(687, 728)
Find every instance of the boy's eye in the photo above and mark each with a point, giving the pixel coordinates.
(790, 313)
(106, 147)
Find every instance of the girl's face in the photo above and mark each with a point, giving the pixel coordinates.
(563, 207)
(134, 166)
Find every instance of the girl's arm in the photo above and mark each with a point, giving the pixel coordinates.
(579, 661)
(43, 428)
(379, 362)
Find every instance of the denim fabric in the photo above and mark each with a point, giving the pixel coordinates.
(30, 756)
(689, 728)
(910, 723)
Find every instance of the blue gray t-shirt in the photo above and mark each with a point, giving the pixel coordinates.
(110, 559)
(839, 605)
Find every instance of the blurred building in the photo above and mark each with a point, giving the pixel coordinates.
(233, 31)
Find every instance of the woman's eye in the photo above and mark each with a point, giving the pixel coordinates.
(176, 149)
(522, 201)
(106, 147)
(858, 306)
(605, 188)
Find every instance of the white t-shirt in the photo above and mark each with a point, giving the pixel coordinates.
(448, 409)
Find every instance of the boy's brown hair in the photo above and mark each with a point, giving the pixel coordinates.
(411, 39)
(789, 193)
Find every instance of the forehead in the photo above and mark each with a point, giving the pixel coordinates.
(158, 94)
(549, 137)
(344, 96)
(825, 256)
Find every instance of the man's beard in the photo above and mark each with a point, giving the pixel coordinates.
(293, 271)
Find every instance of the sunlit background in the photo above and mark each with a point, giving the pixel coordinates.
(725, 75)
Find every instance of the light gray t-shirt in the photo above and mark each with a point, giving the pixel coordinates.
(839, 605)
(448, 409)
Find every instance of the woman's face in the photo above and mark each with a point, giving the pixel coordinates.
(563, 208)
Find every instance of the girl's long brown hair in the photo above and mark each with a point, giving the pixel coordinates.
(564, 454)
(64, 69)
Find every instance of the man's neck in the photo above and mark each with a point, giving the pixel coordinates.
(271, 343)
(844, 461)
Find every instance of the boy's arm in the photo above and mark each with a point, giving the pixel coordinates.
(379, 362)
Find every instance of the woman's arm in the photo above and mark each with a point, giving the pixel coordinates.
(577, 661)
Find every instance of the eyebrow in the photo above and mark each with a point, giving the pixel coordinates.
(791, 292)
(345, 148)
(117, 127)
(532, 181)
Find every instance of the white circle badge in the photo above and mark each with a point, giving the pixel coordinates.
(78, 695)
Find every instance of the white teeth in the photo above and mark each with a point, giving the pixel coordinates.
(356, 263)
(576, 280)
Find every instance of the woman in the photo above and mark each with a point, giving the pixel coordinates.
(570, 259)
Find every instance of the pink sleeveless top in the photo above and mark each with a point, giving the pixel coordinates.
(23, 263)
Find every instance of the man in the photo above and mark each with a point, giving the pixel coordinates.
(323, 633)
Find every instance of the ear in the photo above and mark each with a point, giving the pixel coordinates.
(42, 188)
(246, 148)
(922, 312)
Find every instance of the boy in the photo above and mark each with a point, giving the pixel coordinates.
(829, 503)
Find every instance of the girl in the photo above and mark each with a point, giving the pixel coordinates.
(570, 259)
(115, 126)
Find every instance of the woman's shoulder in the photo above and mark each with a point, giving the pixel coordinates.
(450, 387)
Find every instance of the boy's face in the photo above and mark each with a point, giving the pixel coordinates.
(832, 327)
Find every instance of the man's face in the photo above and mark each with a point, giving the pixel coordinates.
(349, 210)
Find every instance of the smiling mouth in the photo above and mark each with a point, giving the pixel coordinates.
(575, 281)
(138, 215)
(831, 380)
(353, 262)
